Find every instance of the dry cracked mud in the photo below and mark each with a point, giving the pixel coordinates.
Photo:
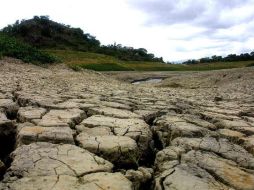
(64, 130)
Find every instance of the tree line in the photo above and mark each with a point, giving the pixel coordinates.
(228, 58)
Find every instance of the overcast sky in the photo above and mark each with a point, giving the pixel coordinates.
(175, 30)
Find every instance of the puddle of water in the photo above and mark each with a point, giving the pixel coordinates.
(150, 80)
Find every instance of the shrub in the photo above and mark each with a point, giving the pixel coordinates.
(12, 47)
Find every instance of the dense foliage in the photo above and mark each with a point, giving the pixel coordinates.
(228, 58)
(42, 32)
(14, 48)
(128, 53)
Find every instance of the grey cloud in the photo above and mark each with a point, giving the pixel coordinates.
(169, 12)
(240, 38)
(218, 21)
(203, 47)
(246, 50)
(197, 12)
(228, 36)
(231, 3)
(213, 34)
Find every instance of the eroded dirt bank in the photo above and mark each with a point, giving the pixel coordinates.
(65, 130)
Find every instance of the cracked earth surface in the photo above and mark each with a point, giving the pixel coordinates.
(63, 130)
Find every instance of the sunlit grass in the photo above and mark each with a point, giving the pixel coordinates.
(100, 62)
(78, 57)
(219, 65)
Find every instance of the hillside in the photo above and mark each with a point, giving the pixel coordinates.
(100, 62)
(13, 47)
(41, 32)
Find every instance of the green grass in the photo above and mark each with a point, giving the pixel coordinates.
(100, 62)
(105, 67)
(250, 65)
(78, 57)
(218, 65)
(13, 48)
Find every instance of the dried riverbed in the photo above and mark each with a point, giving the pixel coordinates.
(63, 130)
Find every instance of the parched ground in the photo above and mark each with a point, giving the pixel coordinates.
(65, 130)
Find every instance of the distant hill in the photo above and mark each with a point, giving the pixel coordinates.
(41, 32)
(44, 33)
